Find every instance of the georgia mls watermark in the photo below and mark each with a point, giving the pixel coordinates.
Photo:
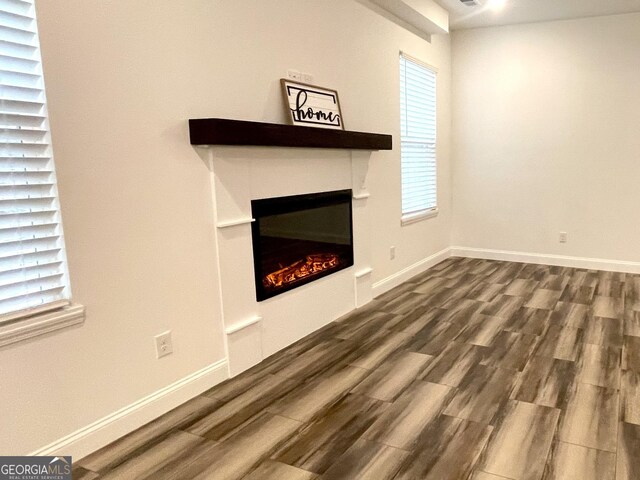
(35, 468)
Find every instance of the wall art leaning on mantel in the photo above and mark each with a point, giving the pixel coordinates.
(312, 106)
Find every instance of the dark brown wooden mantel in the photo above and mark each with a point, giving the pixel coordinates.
(221, 131)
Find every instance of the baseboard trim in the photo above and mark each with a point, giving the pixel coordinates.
(113, 426)
(547, 259)
(405, 274)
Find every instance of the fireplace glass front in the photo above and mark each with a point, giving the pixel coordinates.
(299, 239)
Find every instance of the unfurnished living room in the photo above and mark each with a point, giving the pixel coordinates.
(320, 239)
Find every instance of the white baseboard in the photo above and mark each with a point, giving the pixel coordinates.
(107, 429)
(548, 259)
(405, 274)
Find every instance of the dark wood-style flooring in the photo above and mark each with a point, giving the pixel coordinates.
(476, 369)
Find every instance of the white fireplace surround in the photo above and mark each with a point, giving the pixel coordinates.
(255, 330)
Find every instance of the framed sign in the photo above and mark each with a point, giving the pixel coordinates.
(311, 106)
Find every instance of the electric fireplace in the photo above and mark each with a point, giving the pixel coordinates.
(299, 239)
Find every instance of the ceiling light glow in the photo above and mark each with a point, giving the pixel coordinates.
(496, 5)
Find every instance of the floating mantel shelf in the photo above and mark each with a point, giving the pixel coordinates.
(221, 131)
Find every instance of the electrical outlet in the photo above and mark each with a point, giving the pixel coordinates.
(294, 75)
(164, 344)
(563, 237)
(392, 252)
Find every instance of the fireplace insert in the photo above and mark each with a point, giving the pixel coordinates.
(299, 239)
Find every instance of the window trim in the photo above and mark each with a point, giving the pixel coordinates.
(409, 218)
(26, 328)
(424, 214)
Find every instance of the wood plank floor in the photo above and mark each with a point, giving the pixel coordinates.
(476, 369)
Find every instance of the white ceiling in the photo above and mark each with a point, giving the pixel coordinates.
(527, 11)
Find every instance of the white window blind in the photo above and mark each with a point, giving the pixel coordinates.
(33, 275)
(417, 137)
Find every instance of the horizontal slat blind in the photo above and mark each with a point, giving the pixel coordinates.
(417, 136)
(33, 275)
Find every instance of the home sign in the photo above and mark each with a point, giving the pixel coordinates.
(312, 106)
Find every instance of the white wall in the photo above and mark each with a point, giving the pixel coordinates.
(123, 77)
(546, 121)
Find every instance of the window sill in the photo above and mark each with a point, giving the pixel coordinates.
(418, 216)
(30, 327)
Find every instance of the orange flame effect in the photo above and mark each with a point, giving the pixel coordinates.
(311, 265)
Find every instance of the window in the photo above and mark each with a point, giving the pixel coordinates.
(33, 271)
(417, 139)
